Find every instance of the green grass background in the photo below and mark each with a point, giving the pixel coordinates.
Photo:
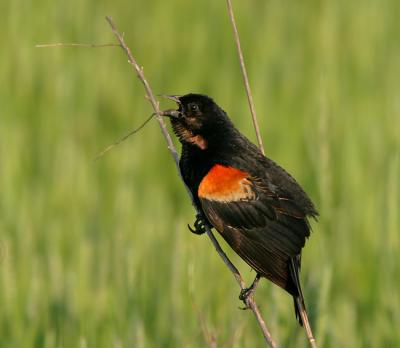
(98, 254)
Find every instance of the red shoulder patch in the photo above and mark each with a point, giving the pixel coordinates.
(226, 184)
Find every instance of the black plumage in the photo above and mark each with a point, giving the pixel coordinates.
(257, 207)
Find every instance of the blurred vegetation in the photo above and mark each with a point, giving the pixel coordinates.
(98, 254)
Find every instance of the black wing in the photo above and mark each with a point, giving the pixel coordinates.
(266, 230)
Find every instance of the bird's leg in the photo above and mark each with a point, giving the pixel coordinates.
(245, 293)
(199, 225)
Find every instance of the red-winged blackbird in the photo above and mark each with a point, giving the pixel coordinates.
(257, 207)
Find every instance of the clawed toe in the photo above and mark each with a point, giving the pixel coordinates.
(199, 226)
(246, 292)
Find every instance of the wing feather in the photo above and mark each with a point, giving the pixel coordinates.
(265, 230)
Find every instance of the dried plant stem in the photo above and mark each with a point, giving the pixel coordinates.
(119, 141)
(250, 302)
(148, 90)
(245, 77)
(307, 327)
(60, 44)
(150, 96)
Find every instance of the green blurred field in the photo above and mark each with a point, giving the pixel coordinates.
(98, 254)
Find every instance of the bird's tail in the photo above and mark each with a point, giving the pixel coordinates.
(298, 308)
(299, 305)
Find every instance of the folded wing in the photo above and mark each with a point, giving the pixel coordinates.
(266, 230)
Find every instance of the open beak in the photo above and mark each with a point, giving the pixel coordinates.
(175, 98)
(171, 112)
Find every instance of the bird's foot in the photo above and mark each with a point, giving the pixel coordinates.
(199, 225)
(246, 292)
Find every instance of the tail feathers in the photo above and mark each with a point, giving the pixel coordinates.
(298, 299)
(298, 309)
(299, 305)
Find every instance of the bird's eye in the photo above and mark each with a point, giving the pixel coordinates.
(194, 107)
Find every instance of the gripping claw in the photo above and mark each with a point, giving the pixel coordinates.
(199, 225)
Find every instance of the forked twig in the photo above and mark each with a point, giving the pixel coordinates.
(150, 96)
(245, 78)
(148, 90)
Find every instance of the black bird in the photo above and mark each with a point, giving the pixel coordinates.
(257, 207)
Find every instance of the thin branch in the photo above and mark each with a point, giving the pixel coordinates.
(119, 141)
(250, 302)
(148, 90)
(306, 323)
(245, 78)
(60, 44)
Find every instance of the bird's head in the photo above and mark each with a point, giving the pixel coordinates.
(199, 121)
